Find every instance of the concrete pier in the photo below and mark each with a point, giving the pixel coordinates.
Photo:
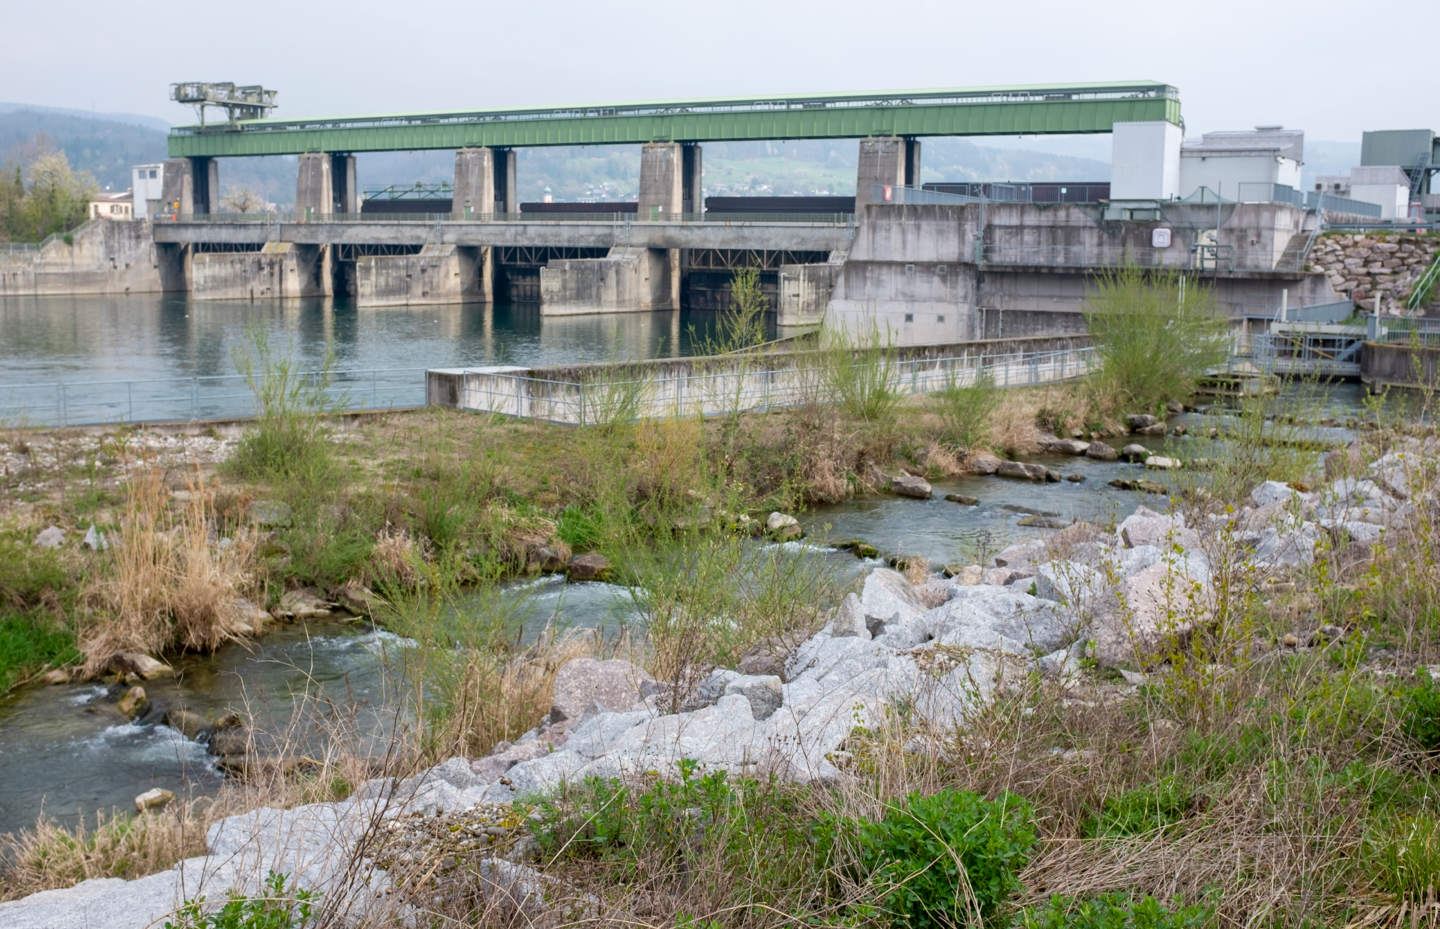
(190, 186)
(314, 186)
(439, 274)
(279, 271)
(625, 281)
(485, 181)
(670, 182)
(892, 161)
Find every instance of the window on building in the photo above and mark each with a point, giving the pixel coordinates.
(909, 317)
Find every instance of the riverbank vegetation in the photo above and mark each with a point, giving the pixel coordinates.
(1274, 767)
(41, 194)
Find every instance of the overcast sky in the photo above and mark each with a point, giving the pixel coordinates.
(1321, 66)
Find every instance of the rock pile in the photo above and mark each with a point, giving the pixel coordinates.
(1369, 266)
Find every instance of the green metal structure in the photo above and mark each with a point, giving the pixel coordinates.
(975, 111)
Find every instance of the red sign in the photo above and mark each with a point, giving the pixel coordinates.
(889, 193)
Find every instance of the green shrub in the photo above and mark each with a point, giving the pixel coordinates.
(946, 860)
(579, 528)
(965, 409)
(1111, 911)
(1420, 712)
(276, 908)
(31, 641)
(288, 437)
(1156, 333)
(741, 324)
(1142, 810)
(1404, 857)
(34, 588)
(736, 824)
(860, 373)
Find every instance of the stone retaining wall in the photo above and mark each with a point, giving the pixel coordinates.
(1369, 265)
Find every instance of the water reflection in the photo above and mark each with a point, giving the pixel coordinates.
(48, 339)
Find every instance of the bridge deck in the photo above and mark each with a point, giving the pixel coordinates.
(1038, 109)
(792, 236)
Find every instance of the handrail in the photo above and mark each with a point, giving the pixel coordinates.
(709, 219)
(1425, 286)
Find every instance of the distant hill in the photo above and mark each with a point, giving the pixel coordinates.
(105, 148)
(130, 119)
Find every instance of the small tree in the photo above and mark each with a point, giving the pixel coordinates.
(740, 325)
(1156, 334)
(243, 200)
(58, 198)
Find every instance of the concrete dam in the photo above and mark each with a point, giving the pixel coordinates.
(929, 266)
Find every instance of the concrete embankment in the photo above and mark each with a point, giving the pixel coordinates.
(581, 394)
(100, 257)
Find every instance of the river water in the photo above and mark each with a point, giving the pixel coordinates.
(156, 357)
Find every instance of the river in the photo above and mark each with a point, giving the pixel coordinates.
(160, 357)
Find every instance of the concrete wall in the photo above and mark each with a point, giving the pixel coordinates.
(913, 303)
(1145, 160)
(626, 280)
(104, 258)
(805, 292)
(586, 394)
(999, 323)
(912, 269)
(1383, 366)
(1073, 235)
(439, 274)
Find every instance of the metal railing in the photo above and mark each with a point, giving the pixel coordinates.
(1267, 192)
(1400, 330)
(1329, 203)
(746, 385)
(1334, 354)
(1200, 257)
(726, 219)
(191, 399)
(899, 195)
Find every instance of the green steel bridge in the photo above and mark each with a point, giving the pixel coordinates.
(973, 111)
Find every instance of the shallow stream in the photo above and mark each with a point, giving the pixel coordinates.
(63, 752)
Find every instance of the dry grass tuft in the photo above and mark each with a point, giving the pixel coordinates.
(397, 557)
(170, 584)
(498, 698)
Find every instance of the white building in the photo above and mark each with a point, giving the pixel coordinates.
(1243, 166)
(112, 206)
(1145, 161)
(1386, 185)
(146, 182)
